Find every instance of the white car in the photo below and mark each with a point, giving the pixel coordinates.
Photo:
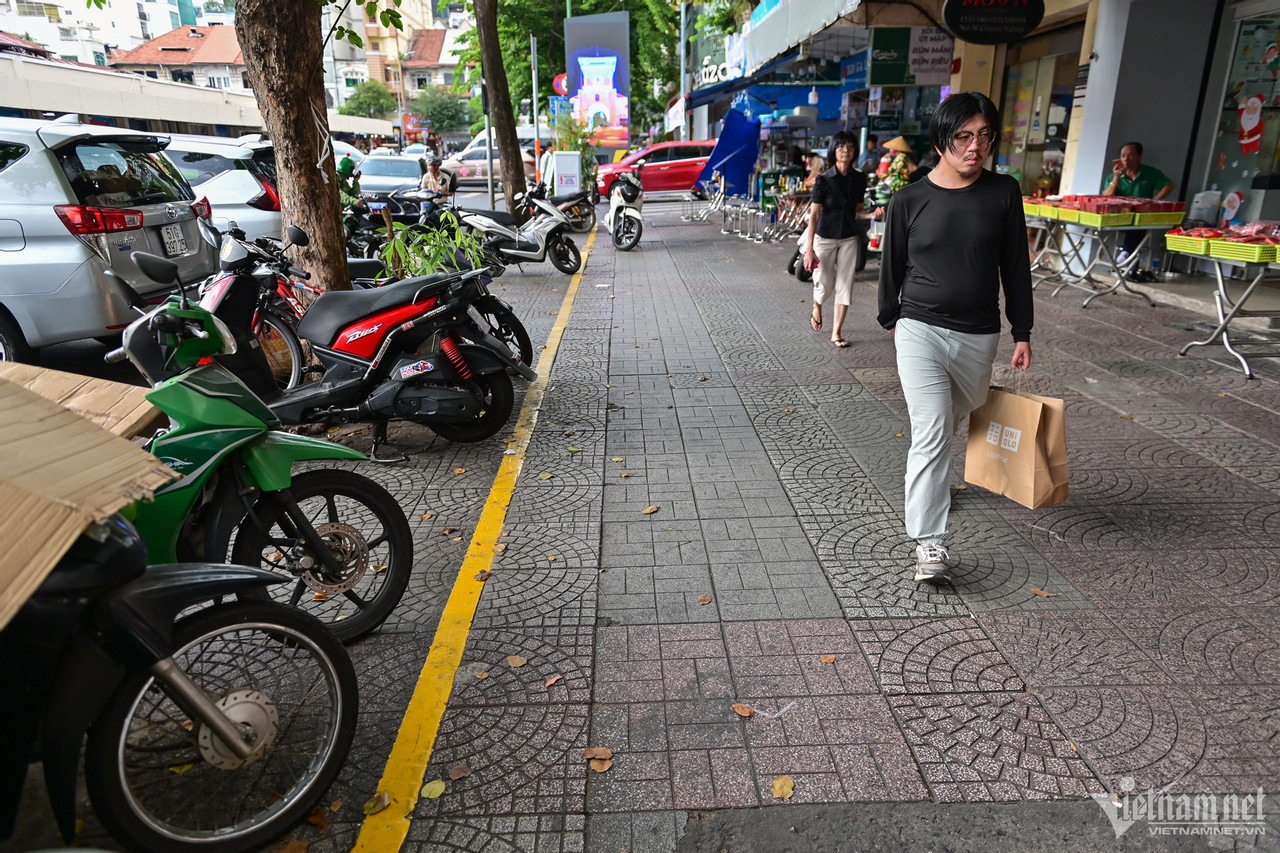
(238, 176)
(383, 150)
(342, 149)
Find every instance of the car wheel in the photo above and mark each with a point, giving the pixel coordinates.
(13, 346)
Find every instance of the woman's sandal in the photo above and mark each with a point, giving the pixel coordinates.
(840, 343)
(815, 323)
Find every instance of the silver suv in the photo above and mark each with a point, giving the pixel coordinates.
(75, 201)
(237, 176)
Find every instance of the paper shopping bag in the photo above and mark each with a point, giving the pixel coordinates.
(1018, 448)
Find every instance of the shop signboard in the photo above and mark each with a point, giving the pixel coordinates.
(853, 72)
(884, 124)
(992, 21)
(910, 56)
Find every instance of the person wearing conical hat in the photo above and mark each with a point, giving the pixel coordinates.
(895, 169)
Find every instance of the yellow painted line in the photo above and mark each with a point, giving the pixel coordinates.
(402, 777)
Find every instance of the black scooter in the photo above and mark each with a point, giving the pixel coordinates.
(216, 732)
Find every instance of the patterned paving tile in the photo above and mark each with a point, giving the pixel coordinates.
(1070, 649)
(983, 747)
(506, 834)
(637, 663)
(1204, 645)
(934, 656)
(783, 658)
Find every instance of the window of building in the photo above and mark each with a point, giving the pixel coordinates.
(375, 46)
(219, 82)
(100, 59)
(70, 57)
(67, 33)
(180, 75)
(352, 82)
(174, 20)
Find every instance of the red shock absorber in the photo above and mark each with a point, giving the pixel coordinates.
(450, 349)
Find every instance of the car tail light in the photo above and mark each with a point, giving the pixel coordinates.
(83, 220)
(270, 199)
(202, 208)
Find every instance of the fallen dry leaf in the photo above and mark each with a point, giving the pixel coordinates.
(457, 539)
(597, 752)
(704, 599)
(1126, 417)
(554, 679)
(447, 531)
(788, 410)
(377, 804)
(1208, 371)
(459, 771)
(617, 459)
(600, 764)
(188, 724)
(1222, 395)
(743, 710)
(319, 596)
(499, 547)
(1042, 593)
(433, 789)
(702, 379)
(960, 487)
(179, 769)
(483, 575)
(482, 675)
(625, 474)
(319, 818)
(336, 805)
(516, 661)
(545, 476)
(897, 435)
(827, 658)
(425, 517)
(552, 557)
(575, 449)
(459, 470)
(784, 787)
(649, 510)
(568, 432)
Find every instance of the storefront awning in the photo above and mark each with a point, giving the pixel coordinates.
(792, 22)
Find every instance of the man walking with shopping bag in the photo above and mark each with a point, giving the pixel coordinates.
(952, 241)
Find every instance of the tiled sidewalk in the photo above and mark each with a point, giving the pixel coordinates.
(689, 380)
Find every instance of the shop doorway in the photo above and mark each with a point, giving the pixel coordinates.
(1040, 77)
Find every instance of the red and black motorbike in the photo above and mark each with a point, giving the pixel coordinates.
(406, 350)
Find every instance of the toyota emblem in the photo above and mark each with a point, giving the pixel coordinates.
(172, 212)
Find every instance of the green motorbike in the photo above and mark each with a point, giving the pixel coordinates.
(341, 538)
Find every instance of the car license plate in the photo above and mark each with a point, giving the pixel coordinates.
(175, 242)
(377, 205)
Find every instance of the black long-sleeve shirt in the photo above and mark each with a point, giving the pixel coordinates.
(947, 252)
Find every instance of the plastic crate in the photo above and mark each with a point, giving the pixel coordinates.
(1068, 214)
(1189, 245)
(1102, 220)
(1170, 218)
(1248, 252)
(1030, 209)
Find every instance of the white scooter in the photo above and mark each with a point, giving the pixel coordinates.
(544, 236)
(624, 221)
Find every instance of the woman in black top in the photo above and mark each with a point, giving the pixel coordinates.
(831, 239)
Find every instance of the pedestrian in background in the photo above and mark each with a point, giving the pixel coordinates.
(831, 238)
(952, 241)
(871, 157)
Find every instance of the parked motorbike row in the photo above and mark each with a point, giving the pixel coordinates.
(196, 640)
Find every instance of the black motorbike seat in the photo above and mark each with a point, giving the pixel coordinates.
(335, 310)
(499, 216)
(365, 267)
(567, 197)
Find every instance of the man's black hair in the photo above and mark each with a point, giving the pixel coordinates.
(1137, 145)
(955, 111)
(871, 137)
(841, 136)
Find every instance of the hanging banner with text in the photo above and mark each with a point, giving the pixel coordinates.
(992, 21)
(910, 56)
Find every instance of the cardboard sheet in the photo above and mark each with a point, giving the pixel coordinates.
(114, 406)
(59, 473)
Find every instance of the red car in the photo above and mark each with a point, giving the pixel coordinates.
(663, 166)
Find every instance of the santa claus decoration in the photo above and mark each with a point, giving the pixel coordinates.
(1231, 207)
(1251, 123)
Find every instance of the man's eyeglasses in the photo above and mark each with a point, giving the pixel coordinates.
(964, 137)
(847, 145)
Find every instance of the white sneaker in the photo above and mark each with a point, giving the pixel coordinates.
(1122, 257)
(931, 563)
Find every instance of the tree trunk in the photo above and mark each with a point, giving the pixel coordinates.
(504, 120)
(281, 44)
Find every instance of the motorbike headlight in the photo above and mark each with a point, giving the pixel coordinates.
(228, 339)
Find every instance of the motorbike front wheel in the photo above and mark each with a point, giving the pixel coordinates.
(160, 781)
(564, 255)
(364, 528)
(499, 399)
(282, 348)
(506, 327)
(626, 233)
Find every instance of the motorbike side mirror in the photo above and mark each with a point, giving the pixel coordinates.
(640, 162)
(297, 236)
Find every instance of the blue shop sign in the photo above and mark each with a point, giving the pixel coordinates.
(853, 72)
(764, 10)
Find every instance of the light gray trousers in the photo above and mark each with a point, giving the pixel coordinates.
(945, 376)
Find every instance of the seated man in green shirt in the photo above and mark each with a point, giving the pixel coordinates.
(1131, 179)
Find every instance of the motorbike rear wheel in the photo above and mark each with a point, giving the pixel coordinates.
(582, 217)
(499, 399)
(563, 255)
(282, 348)
(365, 529)
(626, 233)
(161, 782)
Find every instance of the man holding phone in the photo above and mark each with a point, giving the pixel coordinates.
(1130, 179)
